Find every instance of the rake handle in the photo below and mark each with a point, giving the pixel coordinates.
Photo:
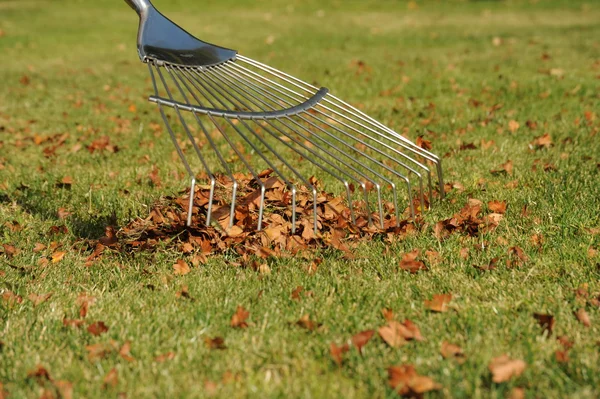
(140, 6)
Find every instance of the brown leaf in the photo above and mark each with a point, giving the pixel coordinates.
(65, 389)
(97, 328)
(110, 237)
(451, 351)
(58, 256)
(506, 167)
(337, 352)
(73, 322)
(546, 321)
(410, 263)
(111, 379)
(125, 353)
(38, 299)
(359, 340)
(181, 268)
(307, 323)
(407, 382)
(516, 393)
(164, 357)
(544, 141)
(40, 374)
(439, 303)
(513, 126)
(396, 334)
(583, 317)
(503, 368)
(238, 320)
(215, 343)
(296, 292)
(562, 356)
(84, 301)
(497, 206)
(388, 314)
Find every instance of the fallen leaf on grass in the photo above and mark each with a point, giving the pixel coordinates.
(38, 299)
(58, 256)
(125, 353)
(396, 334)
(583, 317)
(238, 320)
(337, 352)
(181, 268)
(215, 343)
(562, 356)
(546, 321)
(296, 292)
(110, 237)
(407, 382)
(65, 389)
(361, 339)
(97, 328)
(506, 167)
(40, 373)
(410, 263)
(439, 303)
(84, 301)
(307, 323)
(451, 351)
(73, 322)
(516, 393)
(111, 379)
(544, 141)
(513, 126)
(100, 350)
(388, 314)
(497, 206)
(164, 357)
(503, 368)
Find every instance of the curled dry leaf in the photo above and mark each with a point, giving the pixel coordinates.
(497, 206)
(97, 328)
(451, 351)
(307, 323)
(111, 379)
(238, 320)
(503, 368)
(215, 343)
(583, 317)
(181, 268)
(546, 321)
(165, 357)
(410, 263)
(110, 237)
(439, 303)
(125, 352)
(396, 334)
(58, 256)
(407, 382)
(337, 352)
(359, 340)
(388, 314)
(296, 292)
(38, 299)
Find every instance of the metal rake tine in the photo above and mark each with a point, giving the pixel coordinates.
(177, 148)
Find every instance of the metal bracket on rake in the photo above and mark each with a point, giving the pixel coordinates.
(230, 107)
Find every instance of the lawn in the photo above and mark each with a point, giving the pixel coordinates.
(487, 82)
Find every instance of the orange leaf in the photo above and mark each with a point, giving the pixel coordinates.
(337, 352)
(503, 368)
(497, 206)
(181, 268)
(97, 328)
(111, 379)
(238, 320)
(449, 350)
(546, 321)
(359, 340)
(215, 343)
(124, 352)
(164, 357)
(583, 317)
(37, 299)
(439, 303)
(57, 256)
(405, 380)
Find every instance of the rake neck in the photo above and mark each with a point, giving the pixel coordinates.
(140, 6)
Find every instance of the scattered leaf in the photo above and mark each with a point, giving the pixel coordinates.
(215, 343)
(451, 351)
(111, 379)
(439, 303)
(238, 320)
(359, 340)
(407, 382)
(503, 368)
(545, 321)
(97, 328)
(583, 317)
(337, 352)
(181, 268)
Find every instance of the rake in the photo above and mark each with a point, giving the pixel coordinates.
(235, 112)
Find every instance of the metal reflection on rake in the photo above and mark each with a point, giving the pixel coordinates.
(252, 107)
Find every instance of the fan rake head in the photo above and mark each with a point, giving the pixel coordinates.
(239, 115)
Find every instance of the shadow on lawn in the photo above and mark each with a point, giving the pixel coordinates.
(35, 202)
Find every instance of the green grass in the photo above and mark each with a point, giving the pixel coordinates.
(69, 51)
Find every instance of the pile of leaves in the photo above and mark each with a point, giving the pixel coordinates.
(166, 222)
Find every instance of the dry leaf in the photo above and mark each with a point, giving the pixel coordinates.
(181, 268)
(215, 343)
(97, 328)
(513, 126)
(503, 368)
(439, 303)
(58, 256)
(396, 334)
(125, 353)
(359, 340)
(583, 317)
(111, 379)
(410, 263)
(449, 351)
(405, 380)
(238, 320)
(37, 299)
(497, 206)
(164, 357)
(545, 321)
(308, 324)
(337, 352)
